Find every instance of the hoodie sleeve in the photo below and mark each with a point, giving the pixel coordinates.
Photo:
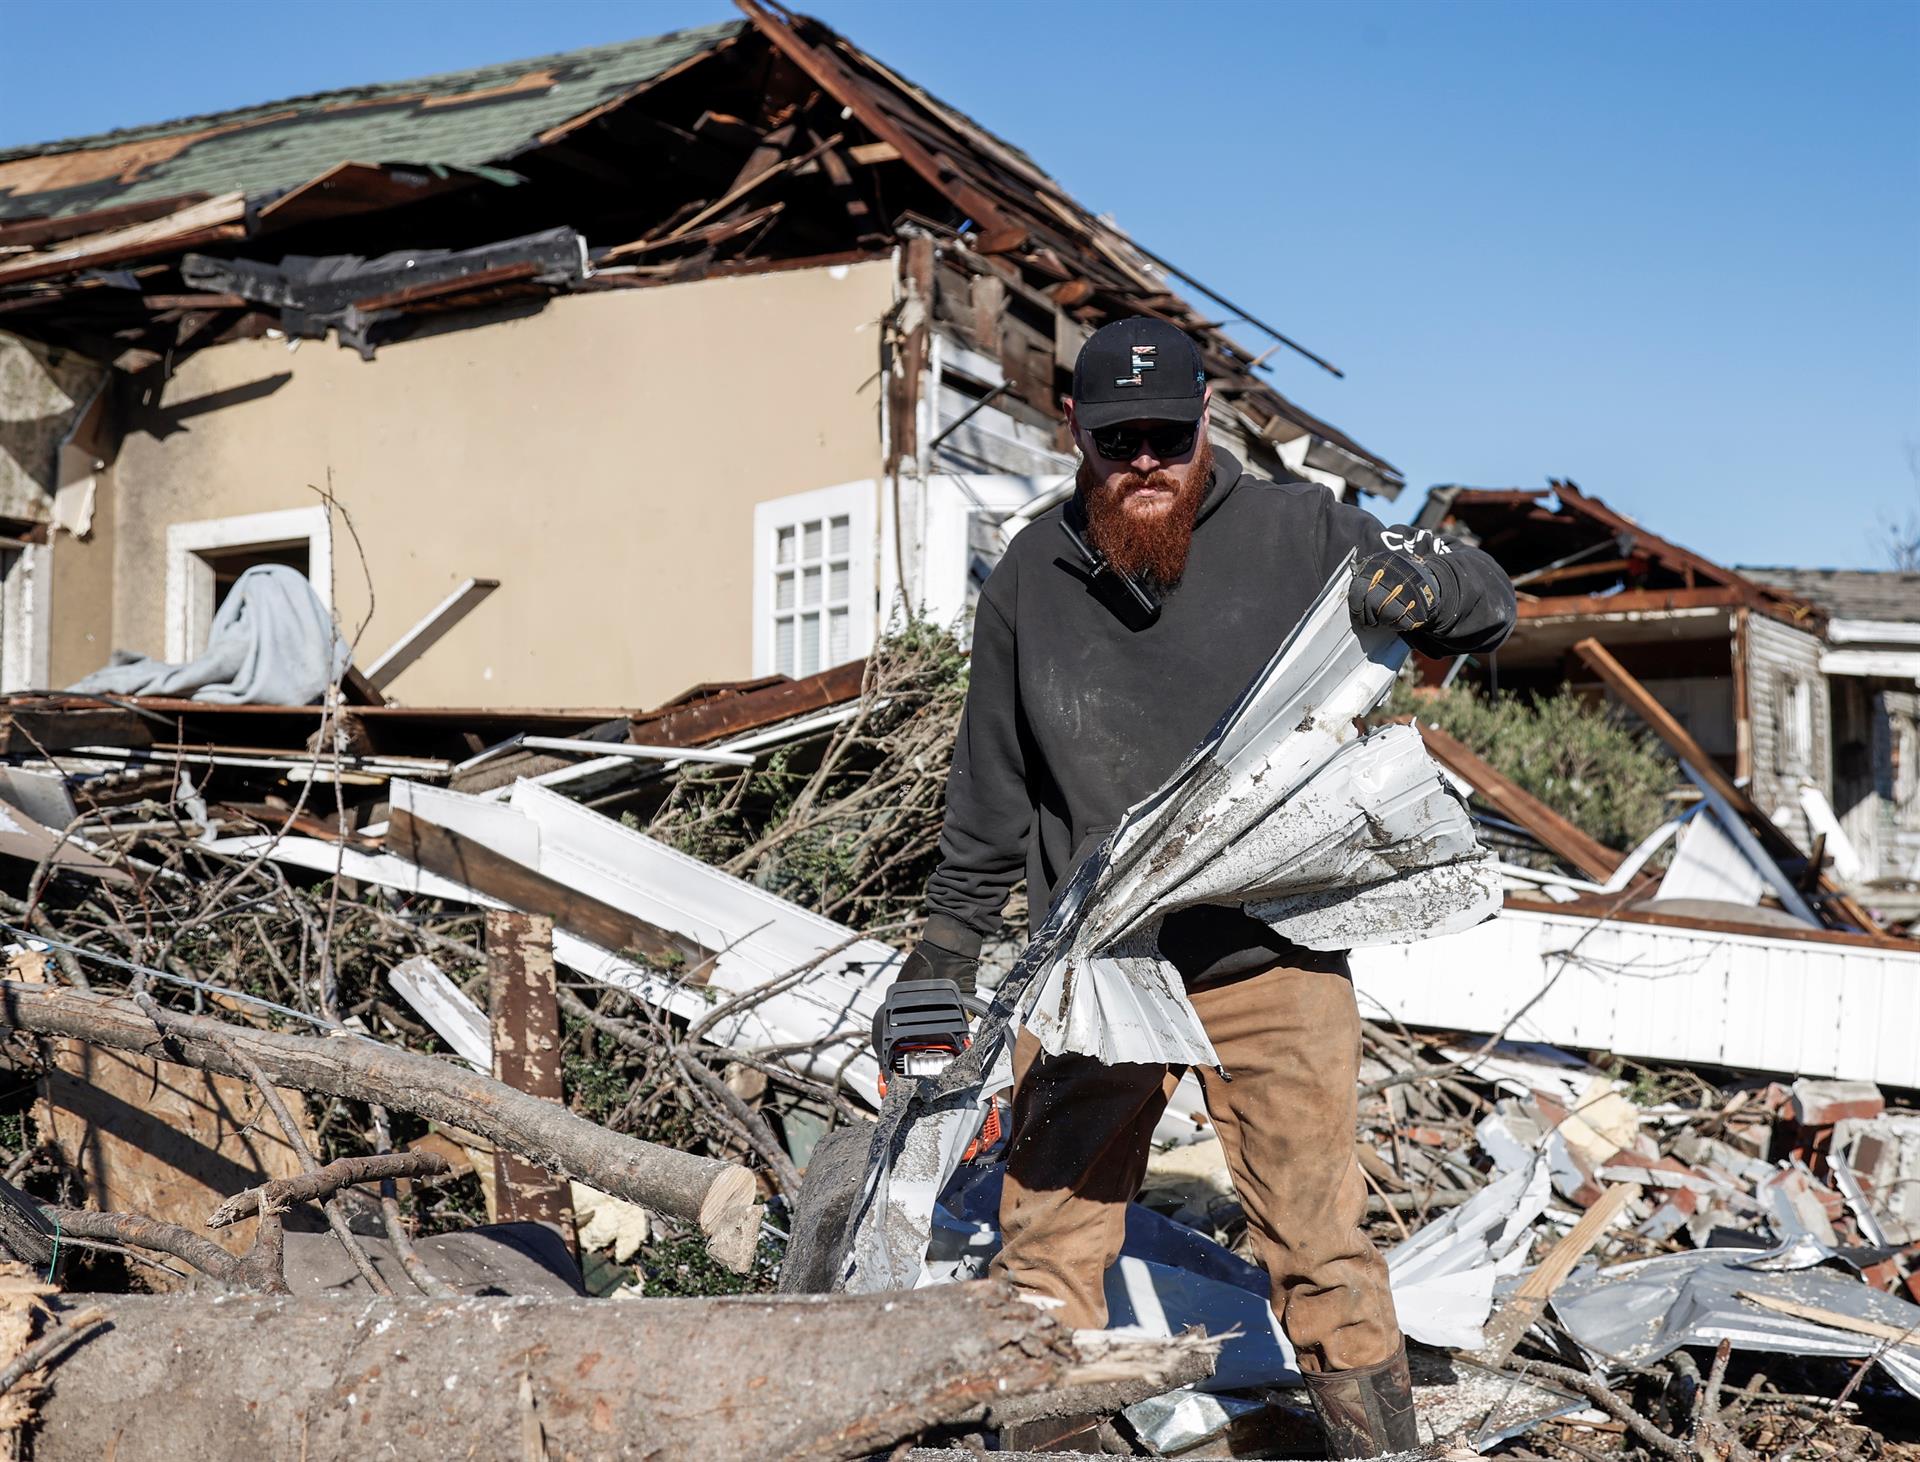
(1475, 592)
(983, 841)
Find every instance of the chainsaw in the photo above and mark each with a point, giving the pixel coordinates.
(920, 1030)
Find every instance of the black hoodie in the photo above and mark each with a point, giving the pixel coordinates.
(1078, 706)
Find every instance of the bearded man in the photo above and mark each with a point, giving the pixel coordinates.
(1110, 638)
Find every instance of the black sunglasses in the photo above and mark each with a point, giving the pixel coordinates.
(1122, 443)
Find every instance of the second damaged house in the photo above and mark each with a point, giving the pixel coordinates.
(707, 344)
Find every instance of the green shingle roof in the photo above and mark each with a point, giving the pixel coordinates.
(461, 119)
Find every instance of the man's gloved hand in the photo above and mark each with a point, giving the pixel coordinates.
(948, 950)
(1397, 587)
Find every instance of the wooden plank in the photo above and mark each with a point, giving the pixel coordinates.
(1641, 701)
(444, 1006)
(439, 850)
(37, 232)
(429, 631)
(729, 715)
(1529, 1300)
(1591, 857)
(526, 1057)
(27, 727)
(1630, 601)
(215, 220)
(1839, 1320)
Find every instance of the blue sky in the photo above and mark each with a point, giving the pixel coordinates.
(1671, 251)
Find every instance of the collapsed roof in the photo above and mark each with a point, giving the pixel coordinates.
(1876, 595)
(736, 147)
(1569, 553)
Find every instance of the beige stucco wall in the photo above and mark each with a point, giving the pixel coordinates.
(601, 458)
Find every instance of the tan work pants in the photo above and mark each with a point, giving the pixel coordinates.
(1290, 1040)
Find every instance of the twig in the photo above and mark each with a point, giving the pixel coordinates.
(149, 1233)
(1595, 1392)
(323, 1182)
(397, 1235)
(50, 1345)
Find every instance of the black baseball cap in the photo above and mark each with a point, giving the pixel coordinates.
(1140, 369)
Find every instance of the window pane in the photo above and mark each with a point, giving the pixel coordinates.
(810, 541)
(839, 535)
(837, 584)
(783, 647)
(810, 586)
(783, 546)
(809, 644)
(837, 628)
(783, 591)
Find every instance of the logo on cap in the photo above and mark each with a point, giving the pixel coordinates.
(1142, 361)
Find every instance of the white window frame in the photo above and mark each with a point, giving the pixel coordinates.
(25, 602)
(853, 501)
(190, 576)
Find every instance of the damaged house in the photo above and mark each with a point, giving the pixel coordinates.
(732, 333)
(1799, 682)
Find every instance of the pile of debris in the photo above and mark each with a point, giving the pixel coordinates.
(507, 1014)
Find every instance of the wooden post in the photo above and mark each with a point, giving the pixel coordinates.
(526, 1056)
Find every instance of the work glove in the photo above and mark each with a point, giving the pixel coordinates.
(948, 950)
(1398, 587)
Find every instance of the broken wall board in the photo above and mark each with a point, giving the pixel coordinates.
(162, 1140)
(1824, 1005)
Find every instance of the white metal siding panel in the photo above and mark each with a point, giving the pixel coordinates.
(1746, 1001)
(1776, 654)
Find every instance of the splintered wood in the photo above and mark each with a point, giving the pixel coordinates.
(21, 1292)
(526, 1056)
(162, 1140)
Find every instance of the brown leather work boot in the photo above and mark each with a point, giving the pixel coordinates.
(1367, 1411)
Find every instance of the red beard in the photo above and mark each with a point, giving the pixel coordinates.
(1147, 542)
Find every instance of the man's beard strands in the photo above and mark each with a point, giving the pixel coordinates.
(1151, 546)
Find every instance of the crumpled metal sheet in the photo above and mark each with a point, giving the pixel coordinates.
(1338, 840)
(1168, 1277)
(1633, 1314)
(1219, 831)
(1178, 1420)
(1444, 1276)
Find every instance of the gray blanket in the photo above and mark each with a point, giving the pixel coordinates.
(272, 643)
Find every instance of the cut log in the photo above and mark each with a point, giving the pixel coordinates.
(721, 1197)
(804, 1379)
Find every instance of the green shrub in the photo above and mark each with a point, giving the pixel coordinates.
(1607, 777)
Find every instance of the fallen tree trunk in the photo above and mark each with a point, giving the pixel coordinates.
(808, 1378)
(721, 1197)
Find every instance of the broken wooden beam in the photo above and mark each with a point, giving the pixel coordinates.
(1661, 721)
(722, 1198)
(452, 855)
(1591, 858)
